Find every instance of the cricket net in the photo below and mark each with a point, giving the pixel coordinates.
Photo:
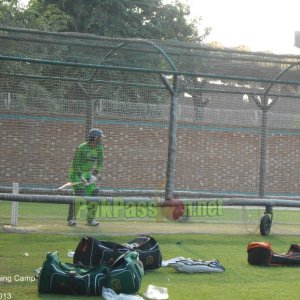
(178, 118)
(134, 215)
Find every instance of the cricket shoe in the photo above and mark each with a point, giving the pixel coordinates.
(71, 222)
(92, 222)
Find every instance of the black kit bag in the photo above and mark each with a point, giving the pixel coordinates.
(149, 251)
(91, 252)
(124, 276)
(262, 254)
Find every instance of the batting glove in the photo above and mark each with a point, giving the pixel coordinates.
(96, 174)
(83, 180)
(93, 179)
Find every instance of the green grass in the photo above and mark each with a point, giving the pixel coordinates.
(233, 230)
(239, 281)
(41, 217)
(37, 211)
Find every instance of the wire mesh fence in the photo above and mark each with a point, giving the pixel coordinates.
(236, 114)
(124, 220)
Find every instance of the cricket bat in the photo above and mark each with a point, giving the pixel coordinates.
(68, 184)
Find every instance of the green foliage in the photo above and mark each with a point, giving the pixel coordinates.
(148, 19)
(50, 18)
(11, 14)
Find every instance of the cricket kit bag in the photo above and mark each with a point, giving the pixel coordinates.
(123, 276)
(91, 252)
(262, 254)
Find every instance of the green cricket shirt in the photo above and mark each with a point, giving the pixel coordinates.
(87, 158)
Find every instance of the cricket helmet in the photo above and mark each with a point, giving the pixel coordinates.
(95, 133)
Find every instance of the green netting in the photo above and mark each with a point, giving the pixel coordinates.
(55, 86)
(50, 218)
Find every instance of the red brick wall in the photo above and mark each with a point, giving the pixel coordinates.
(37, 150)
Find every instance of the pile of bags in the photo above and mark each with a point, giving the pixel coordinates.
(97, 264)
(108, 266)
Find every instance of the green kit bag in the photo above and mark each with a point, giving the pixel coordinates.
(124, 276)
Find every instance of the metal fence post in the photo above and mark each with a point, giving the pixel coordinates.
(15, 206)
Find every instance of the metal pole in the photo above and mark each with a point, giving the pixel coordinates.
(15, 206)
(263, 153)
(89, 115)
(172, 140)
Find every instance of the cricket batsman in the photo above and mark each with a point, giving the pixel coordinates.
(85, 167)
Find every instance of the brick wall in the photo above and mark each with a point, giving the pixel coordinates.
(36, 151)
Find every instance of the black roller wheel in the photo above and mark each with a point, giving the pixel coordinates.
(265, 225)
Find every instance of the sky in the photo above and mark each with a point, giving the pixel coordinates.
(261, 25)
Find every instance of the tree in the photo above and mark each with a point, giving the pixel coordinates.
(11, 13)
(145, 19)
(149, 19)
(48, 18)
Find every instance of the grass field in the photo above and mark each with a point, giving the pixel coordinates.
(50, 218)
(239, 281)
(42, 228)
